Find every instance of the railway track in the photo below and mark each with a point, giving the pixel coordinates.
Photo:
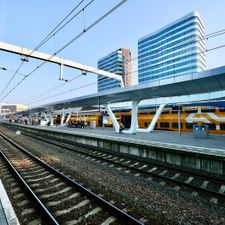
(57, 197)
(26, 211)
(198, 183)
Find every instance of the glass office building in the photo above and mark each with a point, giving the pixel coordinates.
(175, 49)
(117, 62)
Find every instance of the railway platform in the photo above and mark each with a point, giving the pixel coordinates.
(3, 220)
(185, 150)
(214, 144)
(7, 214)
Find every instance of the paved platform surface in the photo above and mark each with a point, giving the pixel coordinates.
(214, 144)
(7, 214)
(3, 220)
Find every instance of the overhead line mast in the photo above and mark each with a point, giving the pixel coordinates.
(57, 60)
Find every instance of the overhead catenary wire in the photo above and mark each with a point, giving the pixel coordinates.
(64, 92)
(53, 88)
(49, 36)
(7, 69)
(210, 35)
(61, 85)
(13, 76)
(66, 45)
(214, 34)
(61, 93)
(64, 84)
(53, 32)
(190, 55)
(199, 39)
(197, 53)
(92, 25)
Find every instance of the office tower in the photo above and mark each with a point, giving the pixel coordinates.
(118, 62)
(173, 50)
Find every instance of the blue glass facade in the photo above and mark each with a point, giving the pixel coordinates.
(174, 50)
(114, 63)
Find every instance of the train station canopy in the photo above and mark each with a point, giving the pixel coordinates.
(208, 81)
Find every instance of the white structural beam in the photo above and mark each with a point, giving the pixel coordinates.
(68, 118)
(75, 110)
(62, 119)
(113, 118)
(51, 119)
(54, 59)
(134, 118)
(217, 95)
(154, 120)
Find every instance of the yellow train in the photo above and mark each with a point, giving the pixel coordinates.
(213, 116)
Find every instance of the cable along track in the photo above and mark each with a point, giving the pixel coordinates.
(212, 186)
(61, 199)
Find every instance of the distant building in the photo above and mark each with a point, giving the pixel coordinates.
(175, 49)
(118, 62)
(11, 108)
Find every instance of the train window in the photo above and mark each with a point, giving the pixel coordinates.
(189, 125)
(143, 113)
(165, 112)
(212, 126)
(222, 126)
(222, 109)
(204, 110)
(176, 111)
(175, 125)
(146, 124)
(191, 110)
(164, 125)
(152, 112)
(156, 125)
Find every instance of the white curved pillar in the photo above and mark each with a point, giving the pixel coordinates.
(113, 118)
(154, 120)
(134, 118)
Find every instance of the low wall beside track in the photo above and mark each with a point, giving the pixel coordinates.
(176, 155)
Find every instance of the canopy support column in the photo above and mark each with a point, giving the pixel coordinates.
(113, 118)
(154, 120)
(51, 119)
(62, 119)
(134, 118)
(67, 119)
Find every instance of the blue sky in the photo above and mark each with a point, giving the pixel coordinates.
(26, 23)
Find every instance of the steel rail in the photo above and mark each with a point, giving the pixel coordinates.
(48, 216)
(209, 191)
(121, 215)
